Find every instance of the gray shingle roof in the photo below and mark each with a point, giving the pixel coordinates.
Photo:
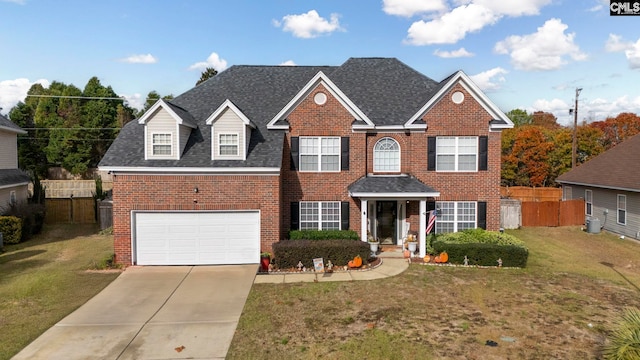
(390, 184)
(13, 176)
(386, 90)
(8, 125)
(616, 168)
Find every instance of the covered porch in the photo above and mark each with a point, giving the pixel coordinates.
(393, 206)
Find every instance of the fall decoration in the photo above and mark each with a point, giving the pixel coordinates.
(427, 258)
(356, 262)
(444, 257)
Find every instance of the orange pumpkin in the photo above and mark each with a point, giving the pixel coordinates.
(437, 259)
(356, 262)
(427, 258)
(444, 257)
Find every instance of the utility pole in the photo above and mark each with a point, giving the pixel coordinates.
(575, 131)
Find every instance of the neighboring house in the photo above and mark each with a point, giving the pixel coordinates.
(226, 169)
(13, 181)
(610, 186)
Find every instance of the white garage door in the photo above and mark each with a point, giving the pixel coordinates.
(197, 238)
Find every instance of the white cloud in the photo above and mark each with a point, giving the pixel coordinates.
(288, 63)
(589, 111)
(513, 8)
(546, 49)
(213, 61)
(14, 91)
(452, 26)
(462, 52)
(633, 55)
(309, 25)
(409, 8)
(615, 43)
(136, 100)
(490, 80)
(140, 59)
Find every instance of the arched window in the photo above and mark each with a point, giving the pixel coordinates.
(386, 156)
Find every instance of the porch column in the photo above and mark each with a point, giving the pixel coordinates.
(363, 220)
(423, 228)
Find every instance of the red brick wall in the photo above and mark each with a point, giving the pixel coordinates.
(176, 192)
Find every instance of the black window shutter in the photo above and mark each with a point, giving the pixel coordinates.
(295, 152)
(344, 149)
(344, 214)
(483, 150)
(482, 215)
(295, 215)
(431, 153)
(431, 205)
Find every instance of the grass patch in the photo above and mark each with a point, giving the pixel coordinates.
(46, 278)
(561, 306)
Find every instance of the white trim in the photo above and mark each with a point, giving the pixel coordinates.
(320, 154)
(13, 185)
(192, 170)
(457, 154)
(228, 104)
(606, 187)
(13, 130)
(319, 78)
(161, 103)
(588, 210)
(319, 220)
(399, 151)
(476, 93)
(618, 208)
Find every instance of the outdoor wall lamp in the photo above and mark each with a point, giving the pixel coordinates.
(195, 190)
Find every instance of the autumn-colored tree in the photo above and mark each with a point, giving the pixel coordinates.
(526, 162)
(545, 120)
(617, 129)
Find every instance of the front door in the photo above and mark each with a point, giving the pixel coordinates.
(386, 213)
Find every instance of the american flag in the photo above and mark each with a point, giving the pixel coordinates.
(432, 221)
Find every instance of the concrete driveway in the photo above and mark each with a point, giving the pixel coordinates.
(168, 312)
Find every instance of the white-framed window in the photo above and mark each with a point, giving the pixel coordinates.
(622, 209)
(320, 154)
(161, 144)
(588, 202)
(457, 153)
(12, 198)
(228, 144)
(386, 155)
(454, 216)
(566, 193)
(320, 215)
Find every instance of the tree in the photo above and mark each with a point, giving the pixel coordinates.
(207, 74)
(617, 129)
(545, 120)
(152, 98)
(519, 117)
(526, 161)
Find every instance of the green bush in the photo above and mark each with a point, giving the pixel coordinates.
(288, 253)
(11, 229)
(323, 234)
(482, 248)
(32, 216)
(624, 341)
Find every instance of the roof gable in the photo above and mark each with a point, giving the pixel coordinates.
(318, 79)
(501, 121)
(228, 104)
(180, 115)
(617, 168)
(8, 125)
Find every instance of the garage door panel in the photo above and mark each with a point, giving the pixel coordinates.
(197, 238)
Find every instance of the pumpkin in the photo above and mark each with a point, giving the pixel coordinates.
(437, 259)
(356, 262)
(407, 254)
(427, 258)
(444, 257)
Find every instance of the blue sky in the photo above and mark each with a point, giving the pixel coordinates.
(528, 54)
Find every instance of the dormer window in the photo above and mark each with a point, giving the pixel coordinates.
(161, 144)
(229, 144)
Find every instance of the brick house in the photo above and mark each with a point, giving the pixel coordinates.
(221, 172)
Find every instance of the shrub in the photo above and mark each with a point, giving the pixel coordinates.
(32, 216)
(11, 229)
(624, 341)
(288, 253)
(483, 248)
(323, 234)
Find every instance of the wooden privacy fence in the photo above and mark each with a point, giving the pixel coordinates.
(524, 193)
(73, 210)
(553, 213)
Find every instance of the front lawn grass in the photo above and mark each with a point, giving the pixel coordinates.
(562, 306)
(46, 278)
